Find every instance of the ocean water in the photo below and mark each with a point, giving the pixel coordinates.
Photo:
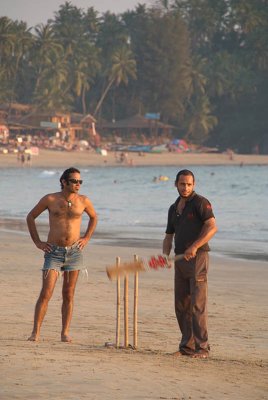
(133, 209)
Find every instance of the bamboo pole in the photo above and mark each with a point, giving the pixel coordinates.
(135, 311)
(117, 339)
(126, 310)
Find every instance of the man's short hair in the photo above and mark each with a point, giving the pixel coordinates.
(67, 173)
(186, 172)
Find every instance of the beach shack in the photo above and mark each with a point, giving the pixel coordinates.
(57, 127)
(137, 124)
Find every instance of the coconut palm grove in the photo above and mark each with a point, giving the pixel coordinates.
(202, 65)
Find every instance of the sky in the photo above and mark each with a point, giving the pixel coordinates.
(39, 11)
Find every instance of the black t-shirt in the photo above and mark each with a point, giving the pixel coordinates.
(188, 225)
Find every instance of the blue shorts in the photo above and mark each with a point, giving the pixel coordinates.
(64, 258)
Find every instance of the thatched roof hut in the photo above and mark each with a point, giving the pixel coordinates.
(137, 123)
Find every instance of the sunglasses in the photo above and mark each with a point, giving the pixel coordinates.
(76, 181)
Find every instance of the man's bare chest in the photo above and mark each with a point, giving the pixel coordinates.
(64, 211)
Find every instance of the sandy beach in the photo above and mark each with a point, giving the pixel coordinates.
(86, 369)
(63, 159)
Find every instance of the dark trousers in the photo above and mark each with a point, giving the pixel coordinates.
(191, 302)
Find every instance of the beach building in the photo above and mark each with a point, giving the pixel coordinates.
(60, 127)
(148, 125)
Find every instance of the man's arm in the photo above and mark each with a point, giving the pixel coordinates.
(93, 219)
(33, 214)
(167, 243)
(207, 232)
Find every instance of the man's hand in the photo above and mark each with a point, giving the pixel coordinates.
(82, 242)
(190, 253)
(46, 247)
(169, 263)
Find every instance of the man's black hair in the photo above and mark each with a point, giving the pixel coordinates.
(67, 173)
(186, 172)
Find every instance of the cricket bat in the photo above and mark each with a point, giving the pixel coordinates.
(142, 265)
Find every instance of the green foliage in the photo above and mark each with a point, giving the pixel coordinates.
(123, 67)
(232, 36)
(160, 42)
(202, 64)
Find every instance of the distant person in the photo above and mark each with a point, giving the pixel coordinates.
(29, 159)
(163, 178)
(22, 159)
(130, 162)
(191, 223)
(64, 245)
(122, 157)
(230, 153)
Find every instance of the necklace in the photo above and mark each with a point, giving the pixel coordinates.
(69, 202)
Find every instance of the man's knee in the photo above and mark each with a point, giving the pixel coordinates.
(45, 295)
(68, 294)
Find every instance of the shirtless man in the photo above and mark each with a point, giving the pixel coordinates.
(64, 245)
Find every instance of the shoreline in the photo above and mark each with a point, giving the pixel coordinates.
(63, 159)
(18, 226)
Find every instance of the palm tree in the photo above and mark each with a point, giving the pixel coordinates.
(5, 90)
(196, 83)
(76, 31)
(15, 40)
(20, 53)
(201, 121)
(7, 39)
(51, 93)
(7, 44)
(84, 71)
(123, 67)
(47, 49)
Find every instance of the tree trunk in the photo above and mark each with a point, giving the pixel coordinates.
(103, 96)
(83, 100)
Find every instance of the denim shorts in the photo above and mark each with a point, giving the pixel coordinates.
(68, 258)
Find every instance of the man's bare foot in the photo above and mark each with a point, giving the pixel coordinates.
(34, 337)
(200, 355)
(66, 338)
(180, 354)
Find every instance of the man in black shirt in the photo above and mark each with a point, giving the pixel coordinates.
(191, 223)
